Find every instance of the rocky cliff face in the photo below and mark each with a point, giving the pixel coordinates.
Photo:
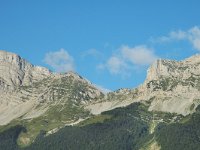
(174, 69)
(29, 91)
(43, 100)
(173, 86)
(170, 86)
(16, 71)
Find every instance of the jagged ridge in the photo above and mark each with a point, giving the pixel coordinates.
(44, 100)
(170, 86)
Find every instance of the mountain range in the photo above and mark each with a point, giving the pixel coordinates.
(42, 107)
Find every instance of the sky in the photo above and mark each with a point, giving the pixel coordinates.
(111, 43)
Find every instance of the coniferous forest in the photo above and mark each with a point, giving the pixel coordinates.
(127, 128)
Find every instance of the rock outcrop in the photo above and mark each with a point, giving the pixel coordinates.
(29, 91)
(173, 86)
(170, 86)
(16, 71)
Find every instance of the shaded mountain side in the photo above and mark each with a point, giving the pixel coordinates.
(132, 127)
(120, 131)
(56, 101)
(44, 102)
(8, 138)
(122, 128)
(184, 135)
(38, 99)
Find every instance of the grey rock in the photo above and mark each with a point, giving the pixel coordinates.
(16, 71)
(28, 91)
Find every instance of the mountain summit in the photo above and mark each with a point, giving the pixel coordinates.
(170, 86)
(29, 91)
(16, 71)
(43, 100)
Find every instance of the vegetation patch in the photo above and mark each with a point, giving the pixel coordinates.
(95, 119)
(122, 128)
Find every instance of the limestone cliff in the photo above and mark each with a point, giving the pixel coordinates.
(16, 71)
(173, 86)
(170, 86)
(29, 91)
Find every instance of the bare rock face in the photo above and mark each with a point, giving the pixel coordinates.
(161, 68)
(173, 86)
(29, 91)
(168, 68)
(16, 71)
(170, 86)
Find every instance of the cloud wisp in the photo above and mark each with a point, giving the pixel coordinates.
(192, 35)
(127, 58)
(92, 53)
(116, 65)
(60, 61)
(138, 55)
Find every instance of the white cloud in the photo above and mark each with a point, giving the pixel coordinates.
(100, 67)
(139, 55)
(172, 36)
(127, 59)
(192, 35)
(116, 65)
(92, 52)
(178, 35)
(60, 61)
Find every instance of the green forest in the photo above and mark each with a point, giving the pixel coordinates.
(126, 128)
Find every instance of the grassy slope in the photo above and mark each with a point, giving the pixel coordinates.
(64, 106)
(126, 128)
(184, 135)
(121, 128)
(53, 118)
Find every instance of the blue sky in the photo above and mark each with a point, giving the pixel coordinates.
(111, 43)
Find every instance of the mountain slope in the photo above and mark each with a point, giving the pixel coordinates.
(40, 99)
(126, 128)
(16, 71)
(170, 86)
(43, 103)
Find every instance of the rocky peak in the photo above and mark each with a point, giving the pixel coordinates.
(161, 68)
(192, 60)
(174, 69)
(173, 86)
(16, 71)
(13, 59)
(31, 91)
